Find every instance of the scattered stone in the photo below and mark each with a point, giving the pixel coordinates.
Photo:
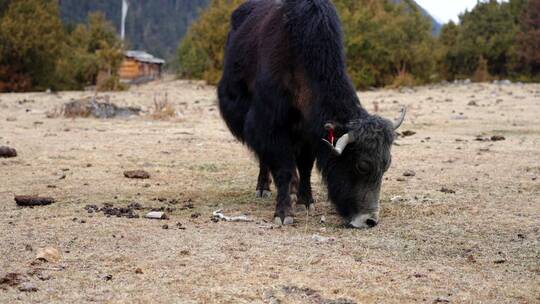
(48, 254)
(108, 277)
(195, 215)
(11, 119)
(502, 261)
(497, 138)
(156, 215)
(447, 191)
(138, 270)
(7, 152)
(408, 133)
(27, 201)
(472, 103)
(398, 199)
(165, 227)
(322, 239)
(138, 174)
(441, 300)
(409, 173)
(323, 219)
(400, 179)
(28, 287)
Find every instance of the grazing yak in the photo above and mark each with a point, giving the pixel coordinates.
(285, 94)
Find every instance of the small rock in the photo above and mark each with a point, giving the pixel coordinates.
(409, 173)
(323, 219)
(441, 300)
(156, 215)
(398, 199)
(322, 239)
(28, 287)
(497, 138)
(138, 271)
(48, 254)
(108, 277)
(7, 152)
(400, 179)
(472, 103)
(165, 227)
(499, 261)
(138, 174)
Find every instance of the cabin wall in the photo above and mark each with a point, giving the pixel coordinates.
(131, 70)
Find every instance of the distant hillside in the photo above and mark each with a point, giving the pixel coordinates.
(155, 26)
(436, 29)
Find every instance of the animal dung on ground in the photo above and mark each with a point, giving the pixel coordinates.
(409, 173)
(218, 215)
(10, 279)
(48, 254)
(407, 133)
(137, 174)
(28, 201)
(156, 215)
(7, 152)
(447, 191)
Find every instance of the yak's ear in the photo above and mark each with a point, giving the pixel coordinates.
(334, 126)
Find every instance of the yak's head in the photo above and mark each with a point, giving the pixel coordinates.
(355, 166)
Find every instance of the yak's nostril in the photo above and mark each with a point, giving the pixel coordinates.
(371, 223)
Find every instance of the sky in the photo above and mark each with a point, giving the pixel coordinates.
(446, 10)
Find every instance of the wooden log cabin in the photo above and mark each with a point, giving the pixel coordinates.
(140, 67)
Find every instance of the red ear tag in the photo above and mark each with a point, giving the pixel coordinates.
(331, 136)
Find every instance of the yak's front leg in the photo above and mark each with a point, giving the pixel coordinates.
(263, 182)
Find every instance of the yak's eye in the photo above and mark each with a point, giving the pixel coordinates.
(363, 167)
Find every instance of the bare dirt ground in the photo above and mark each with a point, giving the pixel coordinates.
(478, 241)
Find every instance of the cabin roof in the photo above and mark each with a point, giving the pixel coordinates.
(144, 57)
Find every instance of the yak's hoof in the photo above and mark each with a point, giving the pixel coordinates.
(263, 194)
(304, 208)
(287, 221)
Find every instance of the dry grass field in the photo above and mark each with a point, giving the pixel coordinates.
(464, 229)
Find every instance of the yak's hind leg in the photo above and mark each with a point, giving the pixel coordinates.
(305, 160)
(263, 182)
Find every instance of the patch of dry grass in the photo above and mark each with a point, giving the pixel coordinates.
(477, 245)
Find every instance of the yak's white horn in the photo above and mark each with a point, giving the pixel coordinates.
(401, 118)
(342, 142)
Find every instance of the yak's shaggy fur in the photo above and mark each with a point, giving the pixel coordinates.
(285, 78)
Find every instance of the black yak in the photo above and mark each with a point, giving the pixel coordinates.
(285, 93)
